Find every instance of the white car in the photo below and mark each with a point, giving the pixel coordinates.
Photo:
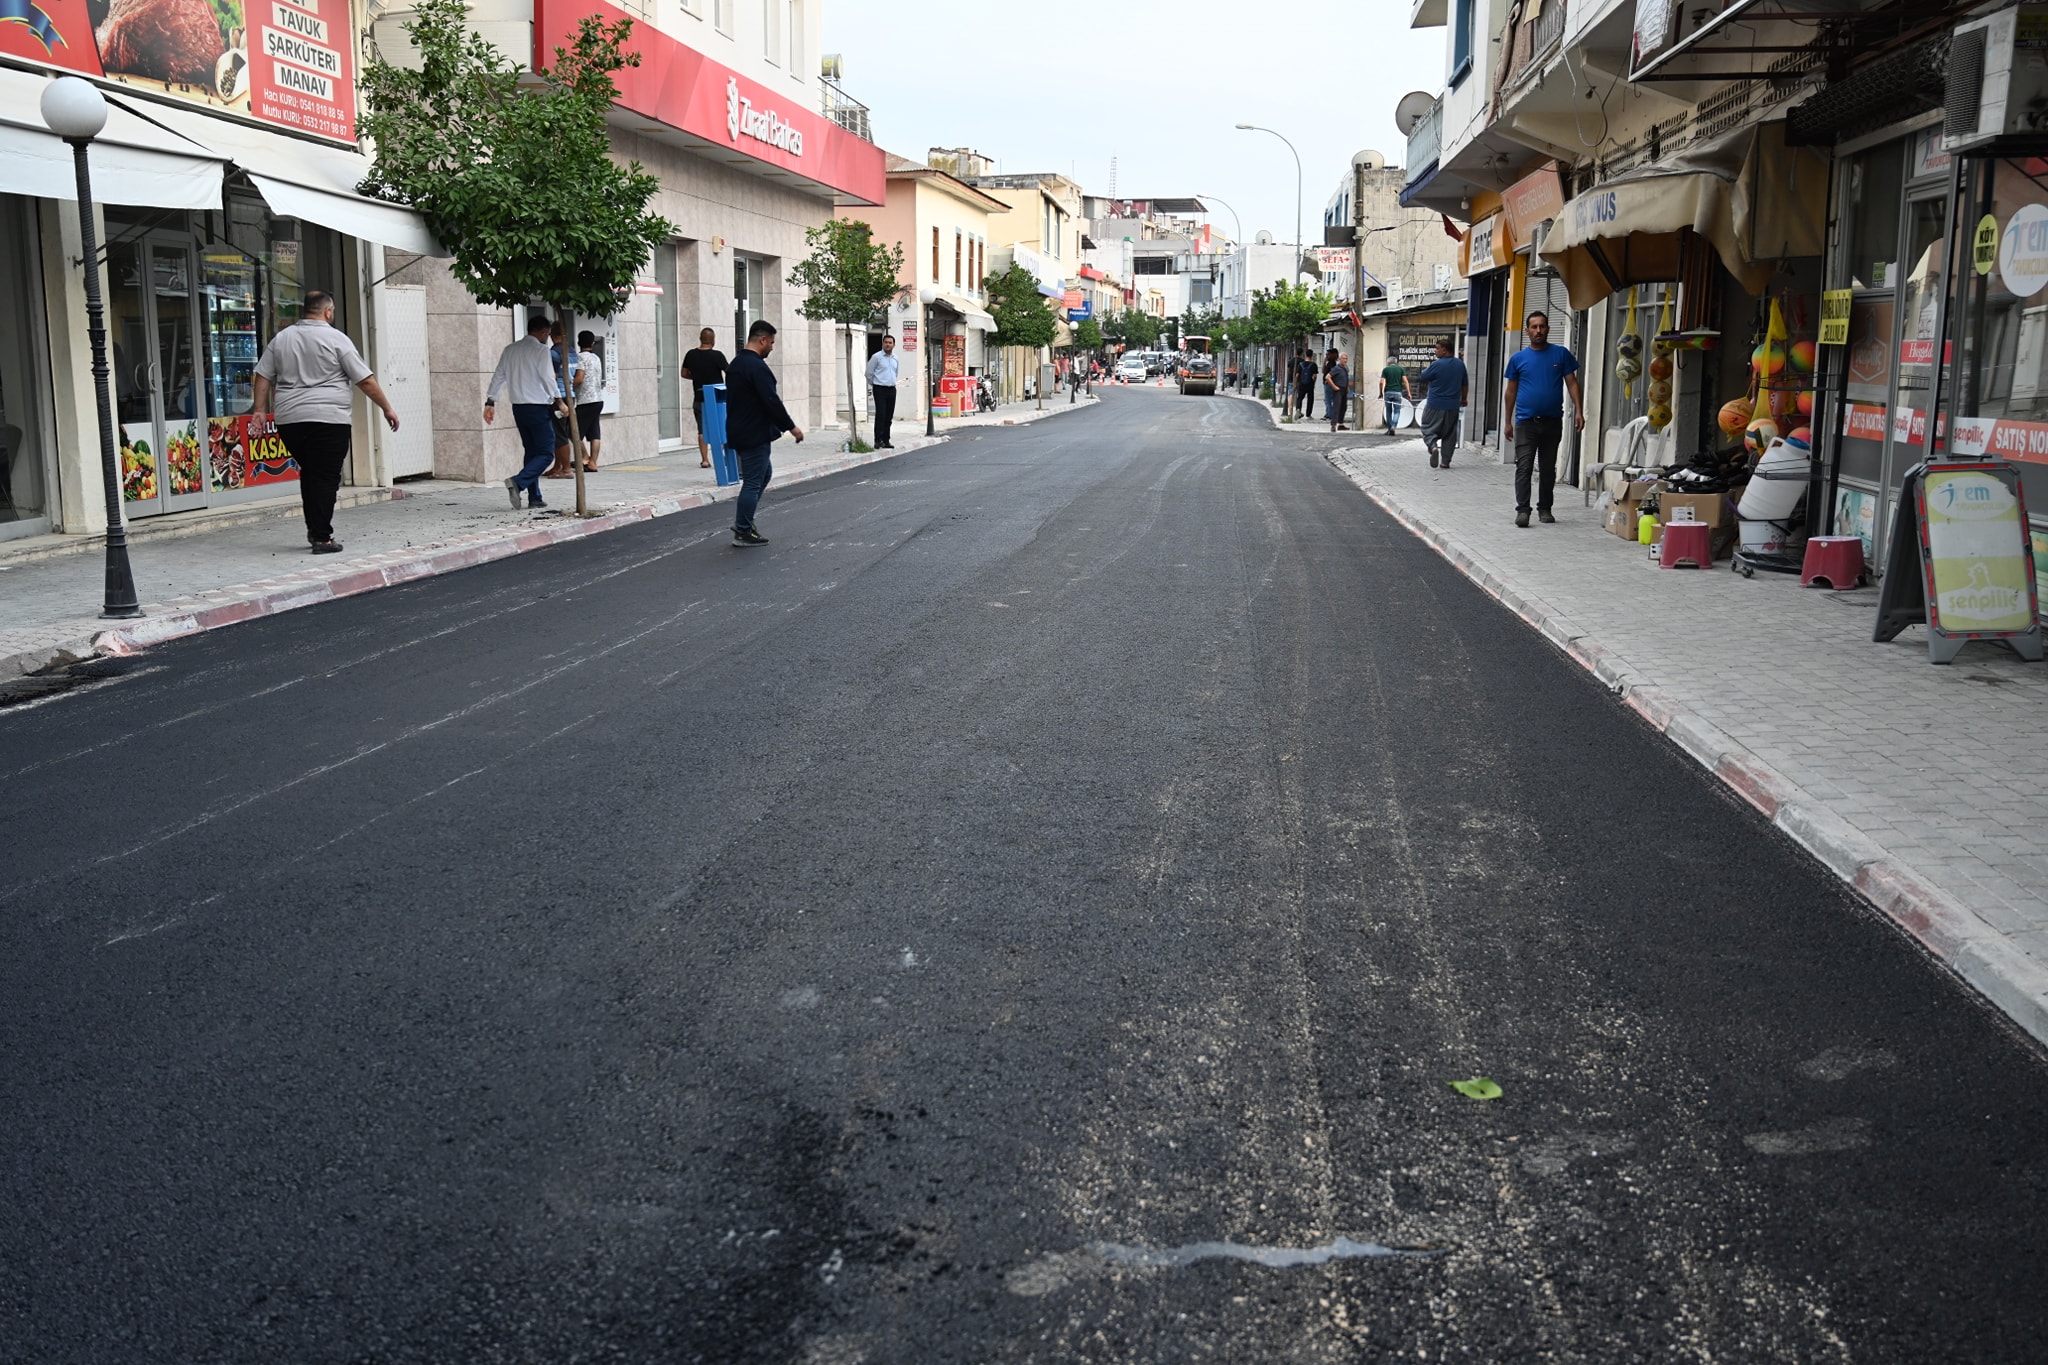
(1130, 368)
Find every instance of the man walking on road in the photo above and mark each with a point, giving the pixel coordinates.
(1446, 387)
(882, 374)
(307, 372)
(1538, 377)
(754, 419)
(524, 375)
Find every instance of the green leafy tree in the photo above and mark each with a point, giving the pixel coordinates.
(1023, 316)
(514, 175)
(848, 278)
(1088, 334)
(1136, 329)
(1285, 316)
(1202, 322)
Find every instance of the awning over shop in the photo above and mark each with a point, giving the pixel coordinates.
(973, 314)
(1770, 207)
(133, 161)
(299, 179)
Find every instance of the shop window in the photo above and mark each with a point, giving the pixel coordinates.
(668, 357)
(1872, 188)
(2001, 327)
(23, 482)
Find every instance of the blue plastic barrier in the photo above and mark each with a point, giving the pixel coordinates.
(725, 466)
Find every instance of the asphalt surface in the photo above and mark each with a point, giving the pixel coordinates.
(998, 921)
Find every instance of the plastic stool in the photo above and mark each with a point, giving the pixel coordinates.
(1836, 561)
(1686, 542)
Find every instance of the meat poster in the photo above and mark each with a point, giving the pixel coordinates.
(246, 452)
(288, 63)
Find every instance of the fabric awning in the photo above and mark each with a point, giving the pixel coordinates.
(973, 314)
(310, 181)
(133, 161)
(1770, 207)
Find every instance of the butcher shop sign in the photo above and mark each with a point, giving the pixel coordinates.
(287, 63)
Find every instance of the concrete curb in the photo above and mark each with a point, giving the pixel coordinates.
(1978, 954)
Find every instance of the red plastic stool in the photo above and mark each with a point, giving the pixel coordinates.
(1686, 542)
(1836, 561)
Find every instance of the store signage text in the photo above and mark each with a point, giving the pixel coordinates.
(1922, 352)
(1865, 422)
(2023, 441)
(742, 119)
(1835, 305)
(2023, 251)
(1590, 210)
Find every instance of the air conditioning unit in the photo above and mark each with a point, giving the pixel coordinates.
(1997, 91)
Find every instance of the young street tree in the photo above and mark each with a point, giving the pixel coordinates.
(849, 278)
(514, 177)
(1023, 315)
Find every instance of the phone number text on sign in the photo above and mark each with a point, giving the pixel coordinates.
(306, 79)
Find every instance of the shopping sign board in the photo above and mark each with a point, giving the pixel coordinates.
(1975, 577)
(1333, 260)
(287, 63)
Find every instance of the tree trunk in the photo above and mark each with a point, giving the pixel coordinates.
(578, 453)
(853, 394)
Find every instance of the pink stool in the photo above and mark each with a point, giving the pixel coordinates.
(1836, 561)
(1686, 542)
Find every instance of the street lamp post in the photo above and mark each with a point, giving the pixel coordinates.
(74, 110)
(1296, 272)
(1237, 226)
(926, 297)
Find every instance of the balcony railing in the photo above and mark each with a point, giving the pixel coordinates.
(846, 111)
(1534, 27)
(1425, 142)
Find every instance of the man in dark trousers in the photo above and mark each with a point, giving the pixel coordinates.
(1539, 375)
(754, 420)
(883, 373)
(305, 378)
(1446, 387)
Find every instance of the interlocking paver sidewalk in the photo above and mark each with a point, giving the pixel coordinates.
(1924, 787)
(218, 574)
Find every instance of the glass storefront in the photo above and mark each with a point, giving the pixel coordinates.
(192, 298)
(24, 383)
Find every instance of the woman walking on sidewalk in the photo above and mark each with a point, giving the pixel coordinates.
(308, 371)
(589, 397)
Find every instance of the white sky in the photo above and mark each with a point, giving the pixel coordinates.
(1064, 85)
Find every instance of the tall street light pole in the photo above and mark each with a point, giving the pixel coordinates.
(1236, 226)
(74, 110)
(1295, 273)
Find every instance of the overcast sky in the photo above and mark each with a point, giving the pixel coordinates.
(1064, 85)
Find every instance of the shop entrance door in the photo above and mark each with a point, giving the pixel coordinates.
(159, 401)
(1922, 283)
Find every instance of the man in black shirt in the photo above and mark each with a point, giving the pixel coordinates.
(705, 365)
(754, 419)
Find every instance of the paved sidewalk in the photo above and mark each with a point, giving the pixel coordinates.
(201, 575)
(1926, 788)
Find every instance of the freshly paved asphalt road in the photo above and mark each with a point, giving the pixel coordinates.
(911, 942)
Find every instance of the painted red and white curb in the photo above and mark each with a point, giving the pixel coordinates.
(1975, 951)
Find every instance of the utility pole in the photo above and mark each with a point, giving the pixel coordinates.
(1358, 291)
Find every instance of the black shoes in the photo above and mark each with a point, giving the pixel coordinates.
(326, 547)
(1521, 518)
(1543, 515)
(747, 536)
(512, 487)
(536, 501)
(1432, 459)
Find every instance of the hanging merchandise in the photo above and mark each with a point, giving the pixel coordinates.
(1782, 366)
(1662, 371)
(1628, 365)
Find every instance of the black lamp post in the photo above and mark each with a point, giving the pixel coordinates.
(74, 110)
(931, 392)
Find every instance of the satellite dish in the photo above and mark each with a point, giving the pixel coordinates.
(832, 66)
(1412, 109)
(1263, 238)
(1369, 159)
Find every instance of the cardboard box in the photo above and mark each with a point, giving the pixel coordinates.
(1711, 508)
(1626, 508)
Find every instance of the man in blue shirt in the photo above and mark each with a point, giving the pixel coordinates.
(1447, 387)
(1539, 375)
(754, 419)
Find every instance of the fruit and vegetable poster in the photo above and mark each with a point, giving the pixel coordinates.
(246, 452)
(288, 63)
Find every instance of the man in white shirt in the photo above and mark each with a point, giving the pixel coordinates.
(307, 372)
(882, 376)
(525, 376)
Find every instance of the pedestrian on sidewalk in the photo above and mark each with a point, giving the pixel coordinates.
(754, 420)
(705, 365)
(1337, 386)
(1304, 384)
(564, 466)
(525, 376)
(1538, 377)
(884, 370)
(1446, 388)
(302, 383)
(589, 398)
(1393, 385)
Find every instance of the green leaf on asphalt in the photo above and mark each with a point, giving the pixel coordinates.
(1478, 1088)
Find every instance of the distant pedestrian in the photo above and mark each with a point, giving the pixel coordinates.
(1337, 390)
(1539, 375)
(1394, 387)
(564, 466)
(705, 365)
(1446, 388)
(525, 376)
(589, 398)
(1304, 385)
(754, 420)
(884, 373)
(307, 372)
